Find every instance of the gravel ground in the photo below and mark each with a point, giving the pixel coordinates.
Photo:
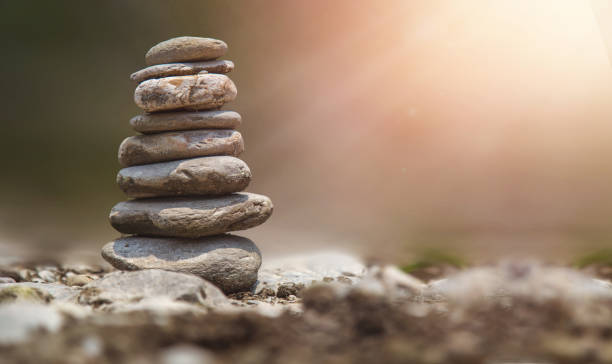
(510, 312)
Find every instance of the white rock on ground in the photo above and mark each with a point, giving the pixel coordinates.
(306, 269)
(18, 320)
(530, 280)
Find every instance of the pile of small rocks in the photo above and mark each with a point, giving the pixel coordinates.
(182, 174)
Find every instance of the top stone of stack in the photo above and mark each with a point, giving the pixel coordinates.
(185, 49)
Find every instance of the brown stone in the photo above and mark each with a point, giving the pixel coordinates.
(184, 49)
(197, 92)
(182, 69)
(191, 217)
(185, 120)
(217, 175)
(145, 149)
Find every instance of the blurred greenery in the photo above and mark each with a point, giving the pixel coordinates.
(434, 257)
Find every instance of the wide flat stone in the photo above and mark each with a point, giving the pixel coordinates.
(217, 175)
(126, 287)
(145, 149)
(182, 69)
(182, 49)
(191, 217)
(230, 262)
(197, 92)
(185, 120)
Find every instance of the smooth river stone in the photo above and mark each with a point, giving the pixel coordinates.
(185, 49)
(145, 149)
(191, 217)
(182, 69)
(230, 262)
(184, 120)
(217, 175)
(197, 92)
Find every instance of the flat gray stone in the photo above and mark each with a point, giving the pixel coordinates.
(191, 217)
(182, 69)
(163, 147)
(217, 175)
(230, 262)
(182, 49)
(151, 283)
(185, 120)
(197, 92)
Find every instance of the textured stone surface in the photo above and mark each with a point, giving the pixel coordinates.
(185, 120)
(182, 69)
(218, 175)
(197, 92)
(134, 286)
(230, 262)
(304, 270)
(191, 217)
(38, 291)
(145, 149)
(182, 49)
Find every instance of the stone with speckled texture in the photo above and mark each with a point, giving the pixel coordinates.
(191, 217)
(197, 92)
(216, 175)
(182, 69)
(183, 49)
(185, 120)
(163, 147)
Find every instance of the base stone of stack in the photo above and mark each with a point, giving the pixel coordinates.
(197, 92)
(191, 217)
(145, 149)
(217, 175)
(185, 120)
(230, 262)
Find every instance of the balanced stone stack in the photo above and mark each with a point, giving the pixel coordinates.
(182, 175)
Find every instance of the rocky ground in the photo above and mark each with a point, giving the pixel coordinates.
(328, 308)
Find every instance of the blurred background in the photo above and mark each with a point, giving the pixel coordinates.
(382, 127)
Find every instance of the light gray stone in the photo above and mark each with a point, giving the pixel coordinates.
(185, 120)
(182, 49)
(518, 279)
(191, 217)
(182, 69)
(217, 175)
(19, 320)
(230, 262)
(163, 147)
(187, 354)
(197, 92)
(151, 283)
(304, 270)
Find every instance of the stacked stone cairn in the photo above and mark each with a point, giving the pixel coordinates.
(182, 175)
